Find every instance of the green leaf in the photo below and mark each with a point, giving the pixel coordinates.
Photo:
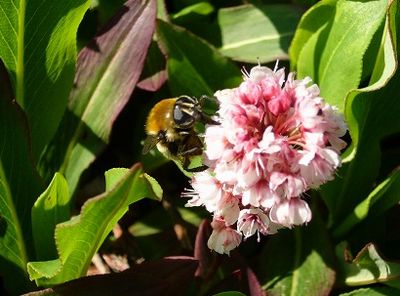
(374, 291)
(51, 208)
(372, 114)
(38, 47)
(230, 293)
(305, 265)
(19, 187)
(78, 239)
(194, 66)
(313, 21)
(383, 197)
(189, 12)
(167, 276)
(107, 72)
(368, 267)
(259, 33)
(333, 43)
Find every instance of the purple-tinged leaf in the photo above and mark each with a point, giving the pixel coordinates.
(201, 250)
(154, 73)
(254, 285)
(107, 72)
(154, 82)
(168, 276)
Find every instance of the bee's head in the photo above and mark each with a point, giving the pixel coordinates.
(188, 111)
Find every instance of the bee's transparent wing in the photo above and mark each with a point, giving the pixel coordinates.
(149, 143)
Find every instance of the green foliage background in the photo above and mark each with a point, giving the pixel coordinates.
(77, 79)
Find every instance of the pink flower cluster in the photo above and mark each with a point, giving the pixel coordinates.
(276, 140)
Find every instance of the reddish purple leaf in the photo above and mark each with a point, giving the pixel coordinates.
(154, 82)
(201, 250)
(168, 276)
(254, 285)
(107, 72)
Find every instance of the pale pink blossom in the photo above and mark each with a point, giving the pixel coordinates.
(207, 191)
(253, 221)
(290, 212)
(223, 239)
(276, 140)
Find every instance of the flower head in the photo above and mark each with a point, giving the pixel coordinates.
(276, 140)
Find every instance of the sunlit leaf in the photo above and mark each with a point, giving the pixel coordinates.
(371, 114)
(257, 33)
(326, 34)
(51, 208)
(168, 276)
(79, 238)
(38, 47)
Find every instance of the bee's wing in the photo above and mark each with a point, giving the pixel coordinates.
(149, 143)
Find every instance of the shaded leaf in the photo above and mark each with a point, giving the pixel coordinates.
(368, 267)
(107, 72)
(305, 265)
(52, 207)
(373, 291)
(154, 73)
(383, 197)
(168, 276)
(78, 239)
(38, 47)
(257, 33)
(230, 293)
(20, 185)
(254, 285)
(201, 251)
(205, 69)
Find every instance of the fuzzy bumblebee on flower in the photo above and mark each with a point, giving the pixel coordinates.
(276, 139)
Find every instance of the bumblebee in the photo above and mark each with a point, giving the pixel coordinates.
(170, 128)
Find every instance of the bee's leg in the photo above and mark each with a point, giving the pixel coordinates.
(186, 160)
(186, 164)
(196, 169)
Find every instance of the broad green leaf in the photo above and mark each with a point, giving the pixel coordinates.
(383, 197)
(19, 187)
(336, 26)
(368, 267)
(257, 33)
(38, 47)
(314, 20)
(294, 262)
(78, 239)
(167, 276)
(194, 66)
(51, 208)
(373, 291)
(107, 72)
(372, 114)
